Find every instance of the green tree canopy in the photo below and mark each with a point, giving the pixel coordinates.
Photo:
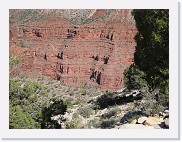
(19, 119)
(151, 57)
(152, 50)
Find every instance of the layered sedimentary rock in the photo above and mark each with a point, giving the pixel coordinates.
(93, 53)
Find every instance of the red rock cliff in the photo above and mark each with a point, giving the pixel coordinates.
(95, 53)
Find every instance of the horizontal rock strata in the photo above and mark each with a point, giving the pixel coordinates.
(95, 53)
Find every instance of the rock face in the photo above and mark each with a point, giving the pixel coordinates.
(152, 121)
(93, 53)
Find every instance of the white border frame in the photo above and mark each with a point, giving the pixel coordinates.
(171, 133)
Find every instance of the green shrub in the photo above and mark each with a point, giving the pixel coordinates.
(56, 107)
(105, 100)
(163, 97)
(68, 103)
(75, 123)
(107, 123)
(19, 119)
(25, 90)
(148, 105)
(85, 112)
(111, 112)
(13, 60)
(134, 78)
(27, 98)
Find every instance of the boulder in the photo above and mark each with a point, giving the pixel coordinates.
(133, 121)
(152, 121)
(135, 93)
(166, 112)
(166, 122)
(142, 119)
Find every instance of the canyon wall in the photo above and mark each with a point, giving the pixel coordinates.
(94, 53)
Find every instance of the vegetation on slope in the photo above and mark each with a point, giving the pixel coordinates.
(74, 16)
(31, 106)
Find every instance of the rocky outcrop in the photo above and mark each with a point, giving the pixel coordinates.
(152, 122)
(95, 53)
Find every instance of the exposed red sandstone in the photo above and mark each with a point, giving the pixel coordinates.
(95, 53)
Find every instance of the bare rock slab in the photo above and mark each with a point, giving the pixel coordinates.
(135, 126)
(152, 121)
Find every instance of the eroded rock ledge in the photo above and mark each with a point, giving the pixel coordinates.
(94, 54)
